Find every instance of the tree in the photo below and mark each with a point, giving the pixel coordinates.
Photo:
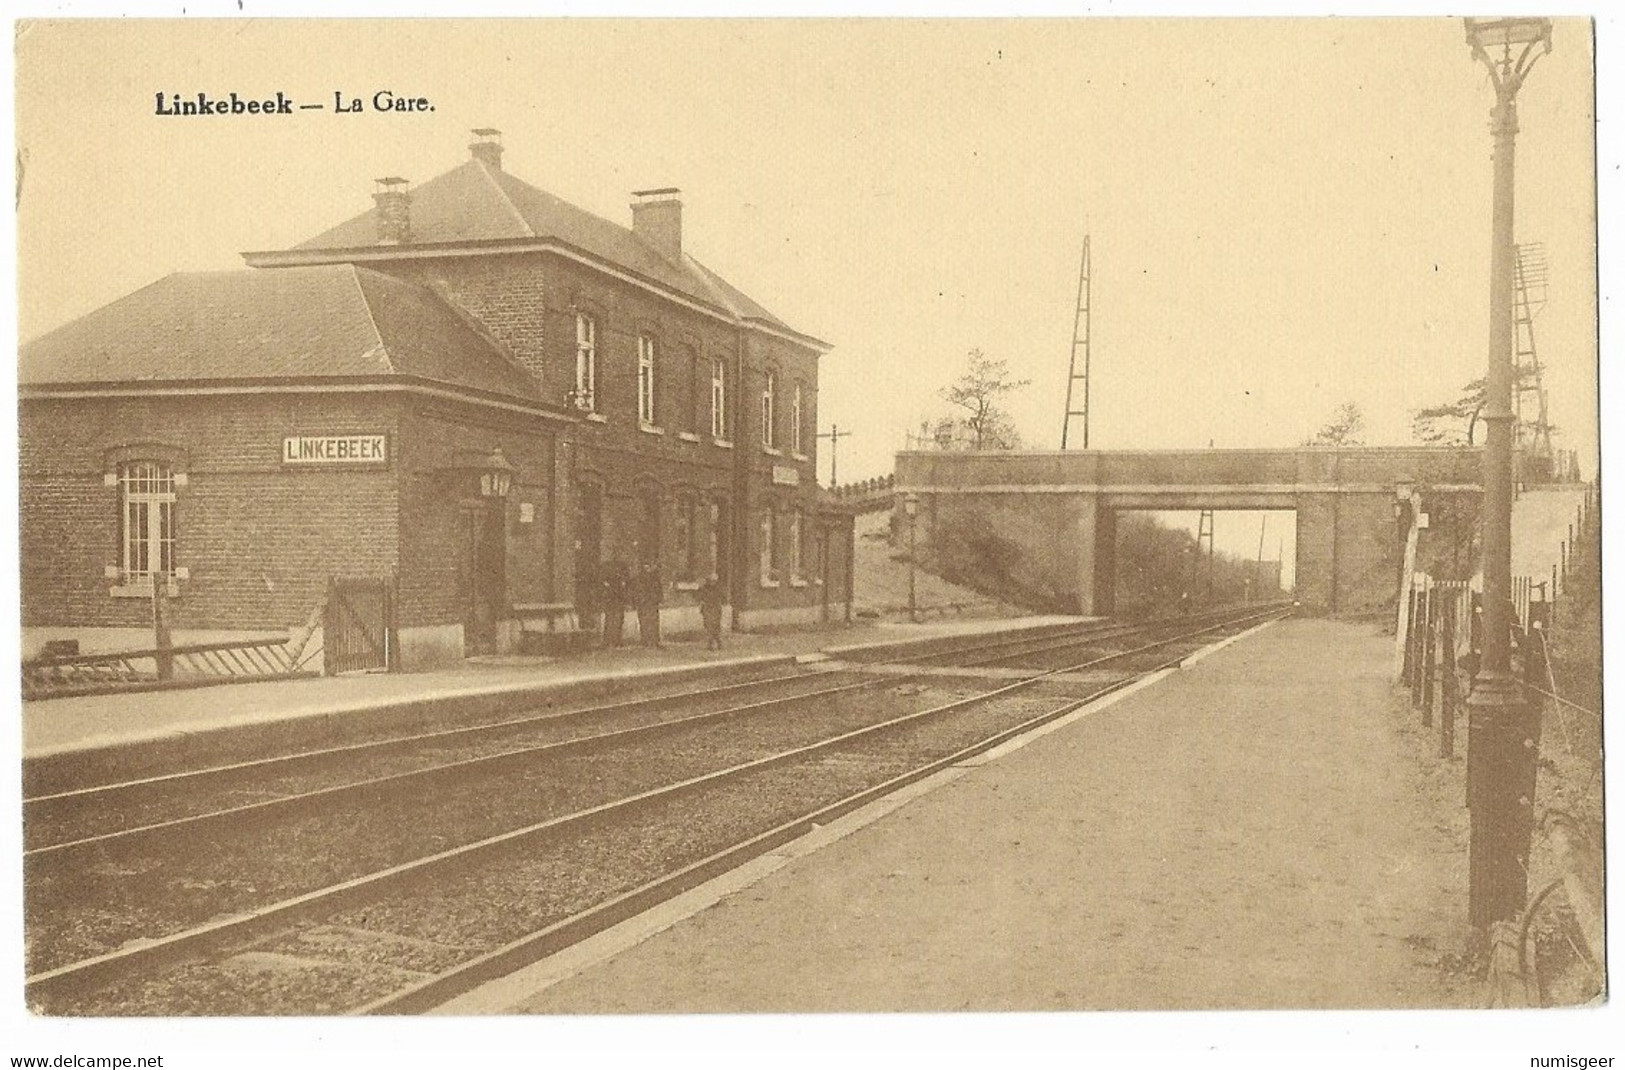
(1343, 430)
(983, 424)
(1455, 423)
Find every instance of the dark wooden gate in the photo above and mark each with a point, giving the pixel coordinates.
(358, 627)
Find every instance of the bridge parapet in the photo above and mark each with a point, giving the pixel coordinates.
(1297, 470)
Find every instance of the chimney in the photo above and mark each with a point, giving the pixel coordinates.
(657, 218)
(487, 148)
(394, 211)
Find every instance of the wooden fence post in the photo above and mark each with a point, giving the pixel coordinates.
(1430, 660)
(1405, 647)
(330, 633)
(1450, 691)
(160, 626)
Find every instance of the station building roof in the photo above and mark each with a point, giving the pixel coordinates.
(480, 204)
(337, 321)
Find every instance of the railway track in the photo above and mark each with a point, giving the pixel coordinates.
(78, 817)
(523, 850)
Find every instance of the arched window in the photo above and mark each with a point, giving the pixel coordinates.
(691, 538)
(767, 548)
(795, 421)
(586, 388)
(646, 380)
(769, 387)
(719, 399)
(794, 548)
(147, 520)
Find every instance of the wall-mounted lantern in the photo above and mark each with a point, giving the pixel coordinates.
(486, 474)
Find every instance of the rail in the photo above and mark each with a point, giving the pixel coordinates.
(218, 934)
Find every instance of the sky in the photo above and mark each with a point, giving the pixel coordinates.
(1284, 215)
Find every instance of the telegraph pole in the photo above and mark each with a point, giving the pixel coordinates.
(834, 434)
(1503, 728)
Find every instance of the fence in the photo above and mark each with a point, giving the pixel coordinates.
(1442, 648)
(59, 675)
(866, 495)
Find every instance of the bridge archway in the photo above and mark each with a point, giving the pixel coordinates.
(1048, 519)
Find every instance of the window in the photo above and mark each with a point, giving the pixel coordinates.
(586, 390)
(147, 489)
(694, 420)
(714, 539)
(795, 420)
(719, 398)
(795, 545)
(690, 538)
(646, 380)
(767, 410)
(768, 556)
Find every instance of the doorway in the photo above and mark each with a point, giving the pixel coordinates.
(484, 576)
(588, 564)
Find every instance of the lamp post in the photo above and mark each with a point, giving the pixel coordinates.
(1501, 753)
(911, 508)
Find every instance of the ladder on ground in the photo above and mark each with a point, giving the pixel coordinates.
(1077, 396)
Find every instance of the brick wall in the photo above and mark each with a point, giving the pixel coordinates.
(530, 301)
(505, 295)
(258, 539)
(437, 496)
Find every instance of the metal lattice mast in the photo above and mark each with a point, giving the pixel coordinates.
(1080, 341)
(1204, 533)
(1530, 268)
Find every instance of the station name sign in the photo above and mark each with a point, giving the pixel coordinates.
(335, 449)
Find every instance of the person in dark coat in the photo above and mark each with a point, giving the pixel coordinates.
(646, 593)
(614, 602)
(710, 593)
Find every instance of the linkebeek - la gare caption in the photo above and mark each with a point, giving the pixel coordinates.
(384, 100)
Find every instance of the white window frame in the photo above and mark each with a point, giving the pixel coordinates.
(147, 512)
(713, 536)
(796, 529)
(719, 399)
(646, 381)
(769, 387)
(586, 391)
(767, 552)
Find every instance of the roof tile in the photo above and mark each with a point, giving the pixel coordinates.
(475, 202)
(331, 321)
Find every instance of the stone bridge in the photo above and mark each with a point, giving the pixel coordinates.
(1059, 509)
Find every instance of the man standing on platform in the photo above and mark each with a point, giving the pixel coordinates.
(614, 602)
(711, 611)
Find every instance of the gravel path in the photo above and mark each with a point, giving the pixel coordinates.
(1253, 832)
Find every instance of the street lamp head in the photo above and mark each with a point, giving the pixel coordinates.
(911, 503)
(1508, 48)
(1504, 33)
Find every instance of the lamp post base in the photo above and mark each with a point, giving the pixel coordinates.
(1503, 744)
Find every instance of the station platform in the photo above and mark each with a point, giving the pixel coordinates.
(1253, 831)
(139, 732)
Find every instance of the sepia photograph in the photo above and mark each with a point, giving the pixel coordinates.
(1033, 532)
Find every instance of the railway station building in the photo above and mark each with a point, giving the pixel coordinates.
(474, 396)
